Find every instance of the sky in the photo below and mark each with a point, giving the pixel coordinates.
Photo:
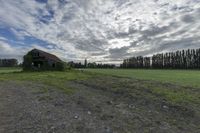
(105, 31)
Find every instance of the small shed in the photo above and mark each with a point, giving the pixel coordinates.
(40, 60)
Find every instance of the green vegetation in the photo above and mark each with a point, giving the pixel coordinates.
(177, 97)
(180, 77)
(184, 59)
(9, 69)
(176, 86)
(149, 90)
(172, 96)
(51, 78)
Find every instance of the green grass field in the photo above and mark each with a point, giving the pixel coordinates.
(175, 87)
(51, 78)
(9, 69)
(181, 77)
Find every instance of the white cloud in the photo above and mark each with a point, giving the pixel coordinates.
(8, 51)
(106, 30)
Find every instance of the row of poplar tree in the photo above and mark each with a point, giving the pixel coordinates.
(185, 59)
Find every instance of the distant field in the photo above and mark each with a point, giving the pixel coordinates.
(9, 69)
(181, 77)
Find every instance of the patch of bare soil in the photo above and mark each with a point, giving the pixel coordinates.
(99, 105)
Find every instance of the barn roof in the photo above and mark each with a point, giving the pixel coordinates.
(47, 55)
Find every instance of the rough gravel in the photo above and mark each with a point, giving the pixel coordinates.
(27, 107)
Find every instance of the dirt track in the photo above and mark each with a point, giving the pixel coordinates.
(93, 108)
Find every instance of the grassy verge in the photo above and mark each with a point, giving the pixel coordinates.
(180, 93)
(148, 92)
(54, 79)
(174, 86)
(180, 77)
(9, 69)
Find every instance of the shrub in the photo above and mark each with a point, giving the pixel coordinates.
(62, 66)
(27, 64)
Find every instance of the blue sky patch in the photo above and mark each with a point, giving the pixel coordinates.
(7, 33)
(42, 1)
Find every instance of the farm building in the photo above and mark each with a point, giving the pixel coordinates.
(40, 60)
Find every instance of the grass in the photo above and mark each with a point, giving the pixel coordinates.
(181, 96)
(148, 89)
(175, 94)
(180, 77)
(50, 78)
(176, 86)
(9, 69)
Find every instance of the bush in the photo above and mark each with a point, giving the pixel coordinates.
(27, 64)
(62, 66)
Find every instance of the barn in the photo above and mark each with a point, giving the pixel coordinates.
(40, 60)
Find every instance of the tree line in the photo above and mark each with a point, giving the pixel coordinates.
(184, 59)
(90, 65)
(8, 62)
(95, 65)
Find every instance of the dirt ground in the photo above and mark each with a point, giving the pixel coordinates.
(98, 105)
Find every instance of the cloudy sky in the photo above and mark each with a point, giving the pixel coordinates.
(99, 30)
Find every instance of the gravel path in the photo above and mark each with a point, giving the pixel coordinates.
(24, 108)
(27, 108)
(20, 111)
